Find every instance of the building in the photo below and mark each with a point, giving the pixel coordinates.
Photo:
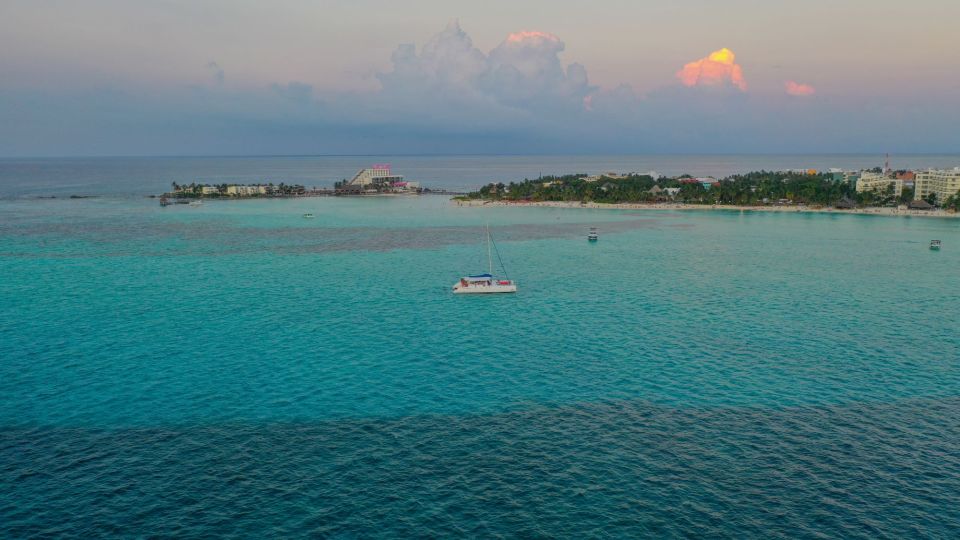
(246, 191)
(375, 177)
(840, 175)
(920, 204)
(941, 182)
(871, 181)
(378, 179)
(851, 177)
(210, 190)
(845, 204)
(610, 175)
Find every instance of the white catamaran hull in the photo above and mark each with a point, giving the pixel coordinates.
(484, 289)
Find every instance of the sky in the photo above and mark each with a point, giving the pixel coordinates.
(293, 77)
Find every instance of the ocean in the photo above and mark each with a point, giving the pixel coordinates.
(234, 369)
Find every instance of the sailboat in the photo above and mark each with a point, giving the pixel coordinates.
(486, 283)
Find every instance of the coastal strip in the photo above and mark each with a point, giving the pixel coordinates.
(881, 211)
(930, 193)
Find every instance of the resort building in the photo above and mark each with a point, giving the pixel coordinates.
(871, 181)
(210, 190)
(246, 191)
(608, 175)
(840, 175)
(378, 179)
(942, 182)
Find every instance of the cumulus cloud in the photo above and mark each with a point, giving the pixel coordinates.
(523, 72)
(719, 68)
(799, 89)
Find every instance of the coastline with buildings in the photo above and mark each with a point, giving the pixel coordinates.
(376, 180)
(930, 192)
(901, 211)
(922, 192)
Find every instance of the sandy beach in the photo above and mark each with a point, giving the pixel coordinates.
(900, 212)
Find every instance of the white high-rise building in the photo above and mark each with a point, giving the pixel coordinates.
(943, 182)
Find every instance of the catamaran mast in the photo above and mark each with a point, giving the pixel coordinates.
(489, 256)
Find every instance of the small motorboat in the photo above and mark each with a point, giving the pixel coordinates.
(308, 216)
(935, 245)
(592, 236)
(196, 203)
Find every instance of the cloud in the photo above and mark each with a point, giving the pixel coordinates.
(719, 68)
(799, 89)
(216, 71)
(448, 96)
(295, 91)
(523, 73)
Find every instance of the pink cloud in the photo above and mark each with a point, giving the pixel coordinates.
(799, 89)
(531, 36)
(719, 67)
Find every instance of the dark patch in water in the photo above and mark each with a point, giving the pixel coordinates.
(613, 470)
(207, 238)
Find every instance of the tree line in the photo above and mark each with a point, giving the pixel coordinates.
(754, 188)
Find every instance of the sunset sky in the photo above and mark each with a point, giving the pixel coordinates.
(361, 77)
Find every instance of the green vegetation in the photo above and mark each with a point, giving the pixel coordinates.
(952, 202)
(762, 187)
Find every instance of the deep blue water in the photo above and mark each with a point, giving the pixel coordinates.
(150, 175)
(235, 369)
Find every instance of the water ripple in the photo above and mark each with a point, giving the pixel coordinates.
(616, 469)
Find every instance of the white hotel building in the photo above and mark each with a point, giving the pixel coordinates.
(942, 182)
(871, 181)
(379, 179)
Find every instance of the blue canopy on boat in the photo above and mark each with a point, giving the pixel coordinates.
(481, 277)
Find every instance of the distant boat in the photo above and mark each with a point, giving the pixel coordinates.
(196, 203)
(164, 201)
(592, 236)
(486, 283)
(935, 245)
(308, 216)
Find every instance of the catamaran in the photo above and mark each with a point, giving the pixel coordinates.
(486, 283)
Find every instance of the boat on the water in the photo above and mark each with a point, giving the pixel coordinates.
(308, 216)
(486, 283)
(196, 203)
(164, 201)
(935, 245)
(592, 236)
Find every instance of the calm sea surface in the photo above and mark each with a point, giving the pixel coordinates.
(236, 369)
(142, 176)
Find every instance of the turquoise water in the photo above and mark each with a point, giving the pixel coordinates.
(237, 369)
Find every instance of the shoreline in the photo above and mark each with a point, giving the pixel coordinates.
(881, 211)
